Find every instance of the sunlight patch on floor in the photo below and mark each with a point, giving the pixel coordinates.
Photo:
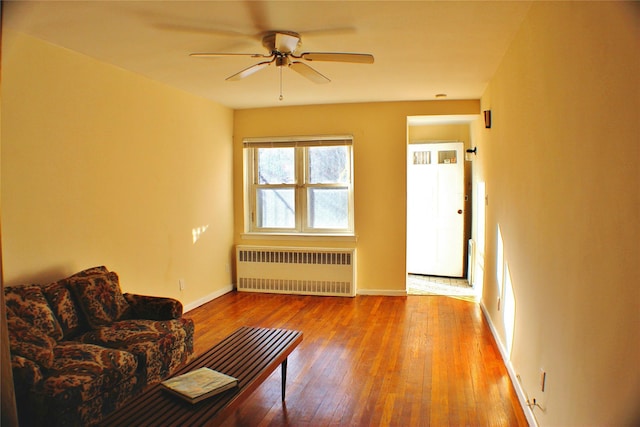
(445, 286)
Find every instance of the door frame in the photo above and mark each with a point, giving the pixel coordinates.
(469, 178)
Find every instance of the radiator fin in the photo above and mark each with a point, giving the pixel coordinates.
(295, 257)
(306, 287)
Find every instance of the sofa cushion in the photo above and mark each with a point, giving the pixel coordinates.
(160, 345)
(64, 307)
(29, 303)
(28, 341)
(82, 371)
(100, 298)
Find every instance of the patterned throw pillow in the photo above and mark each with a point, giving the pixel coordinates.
(93, 271)
(63, 306)
(29, 342)
(28, 303)
(100, 298)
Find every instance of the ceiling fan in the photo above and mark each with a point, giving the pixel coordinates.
(282, 47)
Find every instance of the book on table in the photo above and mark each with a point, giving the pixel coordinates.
(199, 384)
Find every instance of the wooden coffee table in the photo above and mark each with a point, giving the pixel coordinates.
(249, 354)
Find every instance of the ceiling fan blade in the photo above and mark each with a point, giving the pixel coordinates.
(336, 31)
(308, 72)
(201, 29)
(213, 54)
(259, 16)
(248, 71)
(360, 58)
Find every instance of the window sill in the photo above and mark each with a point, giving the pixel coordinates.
(300, 236)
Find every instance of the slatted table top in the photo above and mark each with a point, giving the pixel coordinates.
(249, 354)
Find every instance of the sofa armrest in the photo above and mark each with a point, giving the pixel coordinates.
(27, 375)
(154, 308)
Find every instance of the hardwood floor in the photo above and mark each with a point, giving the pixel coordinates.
(389, 361)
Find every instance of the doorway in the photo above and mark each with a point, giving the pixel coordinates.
(437, 243)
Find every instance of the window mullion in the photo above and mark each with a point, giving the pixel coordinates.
(253, 185)
(305, 190)
(301, 193)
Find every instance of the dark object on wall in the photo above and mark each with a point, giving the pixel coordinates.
(468, 153)
(487, 118)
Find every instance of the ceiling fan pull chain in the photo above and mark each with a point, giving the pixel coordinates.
(281, 97)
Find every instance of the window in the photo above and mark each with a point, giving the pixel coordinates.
(300, 185)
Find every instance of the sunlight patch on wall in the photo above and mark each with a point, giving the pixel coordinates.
(506, 296)
(198, 232)
(509, 314)
(500, 266)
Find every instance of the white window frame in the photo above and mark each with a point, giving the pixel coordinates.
(301, 186)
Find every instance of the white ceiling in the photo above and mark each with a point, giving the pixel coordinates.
(421, 48)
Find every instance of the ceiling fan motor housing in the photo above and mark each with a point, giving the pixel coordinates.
(283, 42)
(281, 60)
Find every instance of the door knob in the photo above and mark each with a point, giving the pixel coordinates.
(460, 211)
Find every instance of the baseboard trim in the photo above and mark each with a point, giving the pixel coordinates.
(205, 299)
(382, 292)
(528, 413)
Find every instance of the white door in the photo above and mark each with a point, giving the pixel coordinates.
(435, 209)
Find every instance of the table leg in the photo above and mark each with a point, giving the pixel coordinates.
(284, 377)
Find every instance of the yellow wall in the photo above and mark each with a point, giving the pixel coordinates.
(561, 166)
(102, 166)
(439, 132)
(380, 139)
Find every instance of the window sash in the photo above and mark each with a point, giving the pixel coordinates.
(298, 141)
(301, 186)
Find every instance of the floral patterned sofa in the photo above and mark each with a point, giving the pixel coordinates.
(80, 347)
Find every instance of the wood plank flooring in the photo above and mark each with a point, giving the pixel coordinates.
(388, 361)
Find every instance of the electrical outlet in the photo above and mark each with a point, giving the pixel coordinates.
(543, 379)
(227, 268)
(181, 284)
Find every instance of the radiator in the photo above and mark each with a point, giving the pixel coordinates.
(305, 271)
(471, 261)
